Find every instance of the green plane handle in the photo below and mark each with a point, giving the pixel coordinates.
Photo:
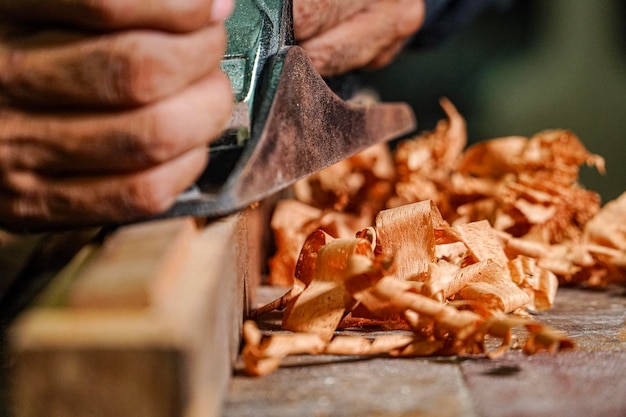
(257, 31)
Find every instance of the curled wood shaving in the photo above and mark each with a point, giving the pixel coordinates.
(321, 305)
(540, 284)
(292, 222)
(424, 166)
(438, 328)
(262, 355)
(359, 185)
(448, 312)
(407, 234)
(543, 338)
(463, 242)
(525, 187)
(608, 227)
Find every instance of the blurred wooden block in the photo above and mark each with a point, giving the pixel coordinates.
(135, 265)
(146, 324)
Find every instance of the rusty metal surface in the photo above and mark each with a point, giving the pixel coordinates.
(310, 128)
(586, 382)
(300, 130)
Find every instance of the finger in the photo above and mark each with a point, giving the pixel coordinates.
(122, 69)
(43, 203)
(311, 17)
(170, 15)
(368, 34)
(387, 56)
(119, 141)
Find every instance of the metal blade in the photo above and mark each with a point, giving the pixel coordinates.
(300, 129)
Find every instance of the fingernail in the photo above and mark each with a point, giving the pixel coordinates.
(221, 9)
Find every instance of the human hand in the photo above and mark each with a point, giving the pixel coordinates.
(106, 107)
(341, 35)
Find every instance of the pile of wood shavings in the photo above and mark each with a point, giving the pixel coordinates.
(464, 242)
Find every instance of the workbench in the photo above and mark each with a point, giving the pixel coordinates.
(588, 381)
(126, 352)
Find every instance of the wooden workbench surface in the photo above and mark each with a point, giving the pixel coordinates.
(589, 381)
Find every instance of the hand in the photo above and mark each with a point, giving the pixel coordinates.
(106, 107)
(341, 35)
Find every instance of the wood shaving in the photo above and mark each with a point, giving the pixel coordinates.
(450, 299)
(526, 189)
(448, 245)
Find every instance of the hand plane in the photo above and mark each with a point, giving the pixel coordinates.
(286, 124)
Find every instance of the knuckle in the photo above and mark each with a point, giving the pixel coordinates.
(143, 67)
(23, 201)
(11, 70)
(108, 12)
(191, 14)
(144, 149)
(321, 56)
(144, 196)
(131, 147)
(138, 78)
(164, 134)
(16, 183)
(135, 70)
(8, 184)
(6, 160)
(22, 210)
(410, 18)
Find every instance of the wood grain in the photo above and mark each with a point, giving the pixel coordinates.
(145, 324)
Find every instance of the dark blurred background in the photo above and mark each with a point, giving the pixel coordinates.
(525, 66)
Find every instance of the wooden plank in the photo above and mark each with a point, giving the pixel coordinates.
(254, 242)
(96, 382)
(134, 265)
(150, 320)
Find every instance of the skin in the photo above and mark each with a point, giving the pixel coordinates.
(341, 35)
(107, 106)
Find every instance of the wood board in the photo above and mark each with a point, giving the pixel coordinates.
(145, 324)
